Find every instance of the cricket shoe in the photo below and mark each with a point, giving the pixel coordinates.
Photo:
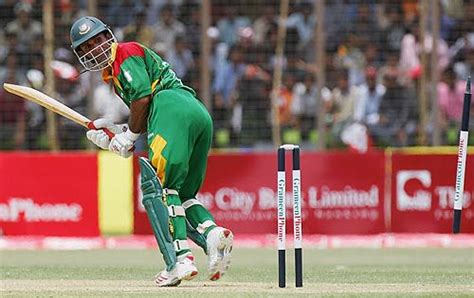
(219, 246)
(185, 269)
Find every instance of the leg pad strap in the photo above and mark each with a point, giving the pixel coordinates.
(191, 202)
(176, 211)
(202, 227)
(180, 245)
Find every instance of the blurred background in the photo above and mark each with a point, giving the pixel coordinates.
(331, 74)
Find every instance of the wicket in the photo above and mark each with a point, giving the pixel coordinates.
(297, 221)
(462, 155)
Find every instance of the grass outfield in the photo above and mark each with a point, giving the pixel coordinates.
(336, 272)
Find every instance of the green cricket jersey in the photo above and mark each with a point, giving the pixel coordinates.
(137, 71)
(179, 128)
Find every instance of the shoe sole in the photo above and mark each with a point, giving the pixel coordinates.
(187, 276)
(177, 280)
(190, 275)
(224, 249)
(177, 283)
(172, 284)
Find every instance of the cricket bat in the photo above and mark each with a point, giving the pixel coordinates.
(52, 105)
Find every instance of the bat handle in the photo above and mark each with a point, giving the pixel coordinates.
(91, 125)
(110, 134)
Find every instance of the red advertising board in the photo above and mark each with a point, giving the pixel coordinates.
(342, 193)
(422, 193)
(48, 194)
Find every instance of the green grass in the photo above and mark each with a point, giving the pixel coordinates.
(338, 272)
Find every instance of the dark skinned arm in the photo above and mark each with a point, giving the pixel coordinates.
(139, 109)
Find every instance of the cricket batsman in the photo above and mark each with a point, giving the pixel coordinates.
(179, 134)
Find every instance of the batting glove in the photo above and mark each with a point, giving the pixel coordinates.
(123, 143)
(99, 137)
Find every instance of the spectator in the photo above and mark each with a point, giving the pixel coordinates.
(285, 101)
(288, 120)
(332, 72)
(220, 51)
(339, 19)
(62, 50)
(8, 55)
(463, 28)
(12, 118)
(394, 29)
(450, 101)
(69, 92)
(138, 30)
(304, 21)
(35, 114)
(305, 104)
(245, 40)
(411, 50)
(254, 98)
(225, 88)
(6, 12)
(394, 114)
(263, 23)
(451, 14)
(154, 7)
(192, 21)
(365, 26)
(180, 57)
(371, 96)
(391, 66)
(462, 34)
(465, 68)
(70, 11)
(373, 55)
(166, 30)
(350, 56)
(230, 24)
(26, 31)
(453, 9)
(462, 44)
(118, 12)
(292, 40)
(342, 103)
(410, 10)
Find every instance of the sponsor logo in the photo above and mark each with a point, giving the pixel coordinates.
(26, 210)
(84, 28)
(447, 196)
(419, 199)
(348, 197)
(232, 203)
(417, 191)
(229, 198)
(446, 200)
(460, 168)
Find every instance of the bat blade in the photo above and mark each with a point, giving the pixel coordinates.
(47, 102)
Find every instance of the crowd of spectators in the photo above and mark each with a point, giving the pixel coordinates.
(373, 68)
